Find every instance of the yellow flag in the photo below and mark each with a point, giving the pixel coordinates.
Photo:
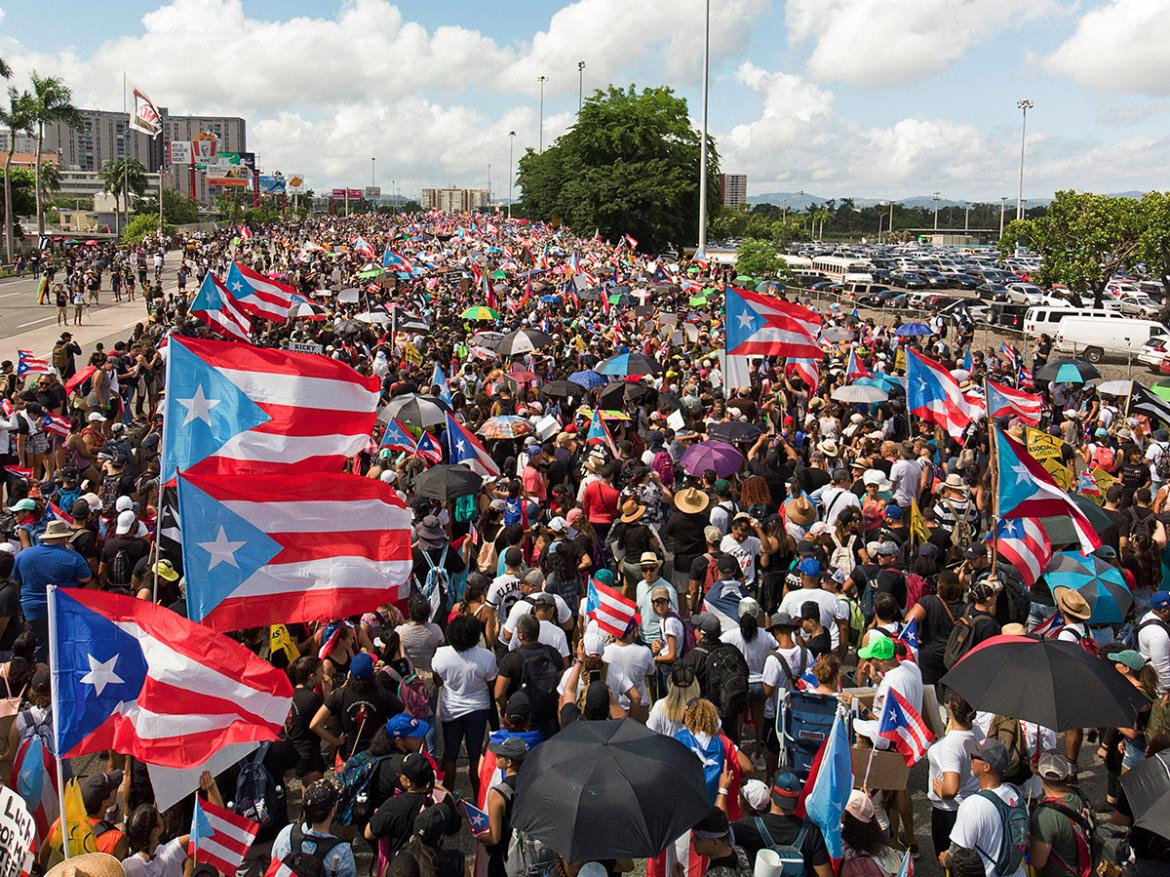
(410, 352)
(918, 531)
(279, 640)
(1104, 481)
(900, 360)
(81, 839)
(1043, 446)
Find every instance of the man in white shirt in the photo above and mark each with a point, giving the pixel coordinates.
(544, 607)
(906, 474)
(978, 823)
(1153, 454)
(834, 610)
(1154, 637)
(834, 498)
(743, 546)
(505, 589)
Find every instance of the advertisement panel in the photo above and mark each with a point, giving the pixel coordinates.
(180, 151)
(272, 185)
(248, 160)
(355, 194)
(228, 170)
(204, 147)
(373, 191)
(294, 184)
(338, 194)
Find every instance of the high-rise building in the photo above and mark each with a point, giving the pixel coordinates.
(452, 199)
(732, 189)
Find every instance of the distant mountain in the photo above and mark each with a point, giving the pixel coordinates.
(799, 201)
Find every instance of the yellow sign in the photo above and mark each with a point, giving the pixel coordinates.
(900, 360)
(279, 640)
(918, 531)
(81, 839)
(1047, 450)
(1104, 482)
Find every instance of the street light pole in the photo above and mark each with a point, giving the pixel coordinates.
(373, 177)
(701, 250)
(1023, 106)
(786, 200)
(540, 139)
(967, 216)
(580, 85)
(511, 140)
(935, 195)
(890, 228)
(1002, 208)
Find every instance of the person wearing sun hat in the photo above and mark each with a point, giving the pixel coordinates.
(684, 531)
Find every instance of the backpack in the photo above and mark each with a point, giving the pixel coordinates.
(1087, 643)
(120, 569)
(539, 676)
(727, 679)
(709, 579)
(960, 641)
(437, 584)
(1010, 733)
(1140, 529)
(842, 557)
(567, 588)
(663, 464)
(1015, 832)
(323, 846)
(412, 691)
(803, 722)
(1084, 828)
(791, 858)
(1162, 464)
(258, 797)
(688, 639)
(353, 797)
(961, 534)
(856, 620)
(1105, 458)
(916, 588)
(529, 857)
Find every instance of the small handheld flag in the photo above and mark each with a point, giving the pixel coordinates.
(902, 726)
(219, 837)
(477, 820)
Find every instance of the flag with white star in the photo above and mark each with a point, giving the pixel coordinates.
(238, 409)
(765, 326)
(133, 677)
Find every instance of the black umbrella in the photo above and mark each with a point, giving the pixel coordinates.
(668, 402)
(1067, 371)
(564, 390)
(1051, 682)
(1147, 789)
(348, 327)
(735, 431)
(609, 790)
(415, 409)
(444, 483)
(615, 395)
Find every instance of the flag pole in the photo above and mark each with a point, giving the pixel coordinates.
(55, 689)
(994, 458)
(162, 477)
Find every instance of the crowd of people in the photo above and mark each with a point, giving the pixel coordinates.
(770, 591)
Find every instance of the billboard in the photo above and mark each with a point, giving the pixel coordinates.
(337, 194)
(180, 151)
(272, 185)
(204, 147)
(248, 160)
(373, 191)
(355, 194)
(228, 170)
(294, 184)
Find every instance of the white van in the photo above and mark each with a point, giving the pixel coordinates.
(1099, 338)
(1044, 320)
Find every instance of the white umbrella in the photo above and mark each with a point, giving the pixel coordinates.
(859, 394)
(349, 296)
(321, 293)
(374, 317)
(1115, 388)
(960, 374)
(837, 333)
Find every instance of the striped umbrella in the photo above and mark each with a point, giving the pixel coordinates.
(1100, 583)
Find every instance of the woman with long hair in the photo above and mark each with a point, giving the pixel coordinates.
(150, 858)
(666, 716)
(950, 778)
(474, 603)
(723, 763)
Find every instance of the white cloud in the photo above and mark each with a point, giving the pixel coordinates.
(1120, 47)
(873, 43)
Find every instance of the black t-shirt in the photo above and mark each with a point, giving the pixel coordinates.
(983, 626)
(135, 550)
(384, 781)
(890, 580)
(394, 820)
(361, 708)
(783, 830)
(85, 543)
(10, 609)
(279, 759)
(810, 478)
(511, 666)
(305, 703)
(820, 644)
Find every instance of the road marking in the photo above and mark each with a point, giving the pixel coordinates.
(11, 294)
(34, 322)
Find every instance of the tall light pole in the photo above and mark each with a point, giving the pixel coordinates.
(1002, 208)
(880, 217)
(373, 177)
(966, 216)
(580, 85)
(701, 250)
(890, 229)
(542, 80)
(1023, 106)
(935, 195)
(489, 184)
(786, 200)
(511, 140)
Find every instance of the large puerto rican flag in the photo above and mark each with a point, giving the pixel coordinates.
(139, 679)
(279, 548)
(259, 295)
(234, 408)
(765, 326)
(463, 447)
(220, 310)
(934, 395)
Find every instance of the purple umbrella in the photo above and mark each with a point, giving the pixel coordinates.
(717, 455)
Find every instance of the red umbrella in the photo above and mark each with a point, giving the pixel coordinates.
(79, 377)
(91, 243)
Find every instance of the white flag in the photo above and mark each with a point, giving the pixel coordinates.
(145, 117)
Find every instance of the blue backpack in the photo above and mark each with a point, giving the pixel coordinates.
(436, 585)
(803, 722)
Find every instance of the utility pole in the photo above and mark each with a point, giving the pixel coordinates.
(935, 196)
(701, 250)
(373, 175)
(511, 141)
(1023, 106)
(542, 80)
(580, 86)
(1002, 208)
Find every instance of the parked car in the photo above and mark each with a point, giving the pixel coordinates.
(1155, 351)
(1100, 338)
(908, 280)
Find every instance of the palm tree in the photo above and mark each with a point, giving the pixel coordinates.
(17, 118)
(5, 70)
(52, 101)
(124, 176)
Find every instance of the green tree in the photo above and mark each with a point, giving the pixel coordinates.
(1082, 240)
(5, 70)
(50, 177)
(52, 101)
(17, 118)
(757, 258)
(628, 166)
(143, 225)
(123, 177)
(1154, 243)
(178, 208)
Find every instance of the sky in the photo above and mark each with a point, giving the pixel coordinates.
(865, 98)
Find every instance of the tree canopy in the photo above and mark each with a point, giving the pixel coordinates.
(628, 166)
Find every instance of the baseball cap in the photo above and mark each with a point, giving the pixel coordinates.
(783, 621)
(1131, 658)
(810, 567)
(124, 504)
(1054, 767)
(166, 570)
(1160, 600)
(126, 521)
(786, 788)
(361, 665)
(94, 501)
(728, 566)
(889, 548)
(992, 753)
(756, 793)
(406, 725)
(707, 623)
(543, 598)
(519, 707)
(558, 524)
(880, 648)
(95, 788)
(713, 535)
(513, 748)
(24, 505)
(860, 806)
(659, 592)
(894, 511)
(417, 769)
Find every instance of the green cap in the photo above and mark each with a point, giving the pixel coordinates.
(1131, 658)
(25, 505)
(880, 648)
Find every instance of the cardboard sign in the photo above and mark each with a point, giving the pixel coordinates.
(304, 347)
(17, 831)
(547, 427)
(888, 770)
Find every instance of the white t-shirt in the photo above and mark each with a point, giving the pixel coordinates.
(522, 607)
(672, 626)
(502, 593)
(948, 754)
(799, 660)
(745, 554)
(754, 652)
(465, 678)
(978, 826)
(167, 862)
(833, 608)
(635, 661)
(1154, 644)
(658, 722)
(550, 635)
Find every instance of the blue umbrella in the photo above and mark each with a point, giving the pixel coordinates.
(892, 384)
(588, 379)
(1100, 583)
(628, 364)
(913, 330)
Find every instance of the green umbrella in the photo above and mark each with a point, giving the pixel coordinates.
(480, 312)
(373, 272)
(499, 274)
(698, 301)
(692, 271)
(1162, 390)
(743, 278)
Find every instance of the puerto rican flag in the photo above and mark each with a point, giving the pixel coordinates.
(397, 438)
(612, 611)
(902, 726)
(1004, 401)
(1010, 355)
(234, 408)
(277, 868)
(260, 296)
(1049, 627)
(219, 309)
(279, 548)
(27, 364)
(219, 837)
(364, 247)
(808, 370)
(1026, 490)
(57, 424)
(599, 433)
(396, 262)
(855, 368)
(1023, 543)
(139, 679)
(934, 395)
(463, 447)
(428, 448)
(34, 778)
(761, 325)
(245, 233)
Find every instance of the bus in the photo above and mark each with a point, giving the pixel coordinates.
(840, 269)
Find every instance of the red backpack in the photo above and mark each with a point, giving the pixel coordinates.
(1081, 823)
(916, 588)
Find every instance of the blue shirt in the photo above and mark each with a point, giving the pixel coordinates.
(43, 565)
(339, 862)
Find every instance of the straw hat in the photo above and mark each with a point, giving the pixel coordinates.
(829, 448)
(800, 511)
(631, 511)
(56, 531)
(89, 865)
(691, 500)
(1070, 602)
